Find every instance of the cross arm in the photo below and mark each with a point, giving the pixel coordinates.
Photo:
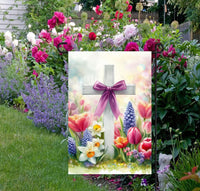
(88, 90)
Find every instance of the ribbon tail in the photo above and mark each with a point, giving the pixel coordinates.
(114, 106)
(102, 104)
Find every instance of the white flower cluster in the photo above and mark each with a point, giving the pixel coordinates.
(31, 38)
(3, 51)
(9, 41)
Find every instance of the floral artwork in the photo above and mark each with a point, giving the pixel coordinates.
(109, 113)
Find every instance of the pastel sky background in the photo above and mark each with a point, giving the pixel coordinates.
(85, 68)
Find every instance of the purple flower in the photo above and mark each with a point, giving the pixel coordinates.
(143, 182)
(129, 118)
(48, 103)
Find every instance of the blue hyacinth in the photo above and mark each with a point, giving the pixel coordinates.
(129, 118)
(87, 136)
(71, 146)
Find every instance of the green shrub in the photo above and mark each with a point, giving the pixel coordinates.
(187, 160)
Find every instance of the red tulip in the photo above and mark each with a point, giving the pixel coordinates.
(121, 142)
(79, 122)
(145, 148)
(144, 110)
(134, 136)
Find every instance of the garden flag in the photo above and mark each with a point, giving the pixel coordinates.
(109, 113)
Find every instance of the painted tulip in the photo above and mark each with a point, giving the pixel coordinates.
(79, 122)
(145, 148)
(146, 126)
(87, 107)
(144, 110)
(121, 142)
(134, 136)
(117, 127)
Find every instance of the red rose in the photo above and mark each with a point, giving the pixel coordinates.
(145, 148)
(92, 36)
(118, 15)
(150, 45)
(132, 46)
(129, 8)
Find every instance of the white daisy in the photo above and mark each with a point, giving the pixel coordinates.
(89, 153)
(96, 128)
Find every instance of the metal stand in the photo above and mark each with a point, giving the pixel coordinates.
(158, 50)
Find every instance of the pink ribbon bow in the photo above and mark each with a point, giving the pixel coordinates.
(108, 95)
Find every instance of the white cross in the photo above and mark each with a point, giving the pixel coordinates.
(108, 119)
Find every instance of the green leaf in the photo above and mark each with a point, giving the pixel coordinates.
(175, 152)
(162, 114)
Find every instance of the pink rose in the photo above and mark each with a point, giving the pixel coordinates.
(183, 58)
(34, 51)
(45, 35)
(60, 17)
(69, 46)
(170, 53)
(98, 12)
(41, 56)
(52, 22)
(132, 46)
(79, 37)
(35, 73)
(57, 41)
(87, 26)
(26, 110)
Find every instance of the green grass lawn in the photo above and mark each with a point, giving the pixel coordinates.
(32, 158)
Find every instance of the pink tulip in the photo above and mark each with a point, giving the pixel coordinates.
(117, 127)
(82, 102)
(134, 136)
(144, 110)
(87, 107)
(146, 126)
(79, 122)
(145, 148)
(73, 106)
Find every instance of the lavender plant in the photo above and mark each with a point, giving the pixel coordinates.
(47, 103)
(12, 76)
